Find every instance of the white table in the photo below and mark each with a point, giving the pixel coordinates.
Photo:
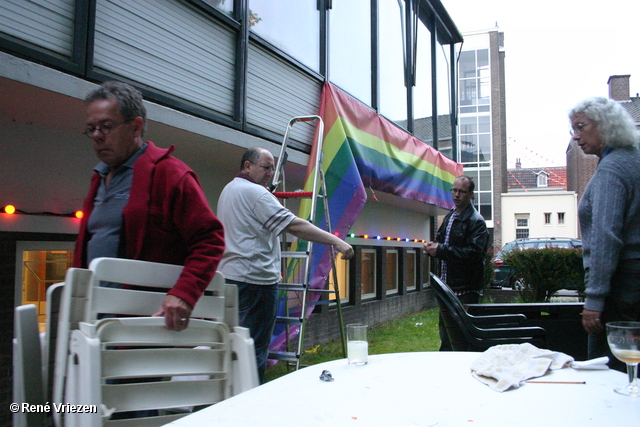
(422, 389)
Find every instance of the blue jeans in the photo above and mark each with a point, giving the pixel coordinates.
(257, 309)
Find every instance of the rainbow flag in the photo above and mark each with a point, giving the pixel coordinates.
(363, 149)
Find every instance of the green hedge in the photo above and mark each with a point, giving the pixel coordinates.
(543, 272)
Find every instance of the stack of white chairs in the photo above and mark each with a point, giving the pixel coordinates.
(33, 353)
(28, 382)
(108, 356)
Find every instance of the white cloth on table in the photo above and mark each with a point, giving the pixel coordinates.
(598, 363)
(506, 366)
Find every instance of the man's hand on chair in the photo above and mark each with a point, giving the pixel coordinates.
(176, 313)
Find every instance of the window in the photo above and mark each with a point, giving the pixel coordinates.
(391, 271)
(225, 6)
(342, 273)
(543, 179)
(411, 269)
(560, 217)
(350, 41)
(547, 218)
(423, 98)
(393, 93)
(290, 25)
(41, 265)
(368, 264)
(474, 80)
(522, 226)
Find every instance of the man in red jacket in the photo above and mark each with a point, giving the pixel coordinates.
(145, 204)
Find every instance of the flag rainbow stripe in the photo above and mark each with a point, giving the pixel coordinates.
(362, 150)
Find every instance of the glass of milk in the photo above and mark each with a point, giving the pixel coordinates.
(357, 345)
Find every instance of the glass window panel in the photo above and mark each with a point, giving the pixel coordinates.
(486, 211)
(484, 124)
(393, 93)
(342, 272)
(444, 98)
(485, 180)
(368, 264)
(468, 92)
(468, 125)
(467, 67)
(469, 148)
(485, 198)
(485, 147)
(350, 47)
(484, 94)
(410, 269)
(422, 92)
(474, 175)
(443, 71)
(291, 25)
(391, 271)
(560, 217)
(483, 60)
(223, 5)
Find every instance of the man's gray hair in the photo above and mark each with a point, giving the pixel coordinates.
(614, 123)
(252, 155)
(130, 104)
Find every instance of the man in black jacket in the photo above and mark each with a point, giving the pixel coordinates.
(461, 244)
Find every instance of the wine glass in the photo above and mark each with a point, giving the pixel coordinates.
(624, 342)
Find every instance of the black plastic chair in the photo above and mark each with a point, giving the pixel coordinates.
(478, 333)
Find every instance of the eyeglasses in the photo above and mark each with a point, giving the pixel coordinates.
(578, 129)
(266, 168)
(105, 128)
(462, 192)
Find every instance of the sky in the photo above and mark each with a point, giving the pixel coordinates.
(557, 53)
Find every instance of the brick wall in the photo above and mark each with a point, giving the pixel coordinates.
(324, 326)
(580, 169)
(619, 87)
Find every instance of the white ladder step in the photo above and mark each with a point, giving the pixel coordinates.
(294, 254)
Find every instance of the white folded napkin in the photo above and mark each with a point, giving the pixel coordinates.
(598, 363)
(506, 366)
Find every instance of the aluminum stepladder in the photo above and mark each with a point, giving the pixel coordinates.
(295, 289)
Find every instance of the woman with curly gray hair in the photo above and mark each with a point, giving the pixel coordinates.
(609, 214)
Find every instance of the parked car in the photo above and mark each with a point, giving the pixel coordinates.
(504, 274)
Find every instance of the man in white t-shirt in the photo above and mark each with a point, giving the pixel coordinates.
(253, 218)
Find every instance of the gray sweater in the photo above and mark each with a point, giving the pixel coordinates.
(609, 214)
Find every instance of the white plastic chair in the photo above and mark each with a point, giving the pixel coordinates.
(27, 366)
(111, 362)
(53, 301)
(84, 299)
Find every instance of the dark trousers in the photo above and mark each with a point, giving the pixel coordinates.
(623, 304)
(257, 305)
(468, 298)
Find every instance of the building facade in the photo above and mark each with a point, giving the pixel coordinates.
(538, 204)
(482, 146)
(218, 76)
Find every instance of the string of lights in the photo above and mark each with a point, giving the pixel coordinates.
(12, 210)
(388, 238)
